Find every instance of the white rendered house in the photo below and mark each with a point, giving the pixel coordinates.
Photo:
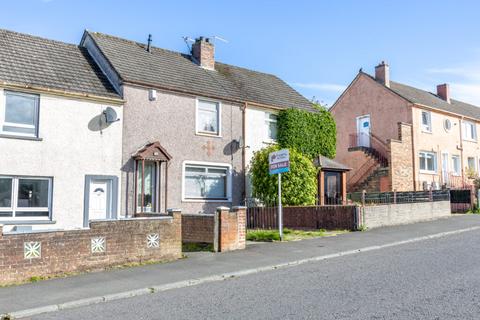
(60, 136)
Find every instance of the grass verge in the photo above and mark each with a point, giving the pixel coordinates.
(289, 234)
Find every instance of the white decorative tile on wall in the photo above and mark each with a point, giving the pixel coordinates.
(98, 245)
(153, 240)
(32, 250)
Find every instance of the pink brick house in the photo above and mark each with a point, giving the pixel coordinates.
(397, 137)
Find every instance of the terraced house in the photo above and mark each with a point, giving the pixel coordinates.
(60, 141)
(397, 137)
(191, 123)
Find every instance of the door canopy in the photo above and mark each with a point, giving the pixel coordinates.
(152, 151)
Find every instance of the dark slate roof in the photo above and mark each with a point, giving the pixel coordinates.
(429, 99)
(327, 163)
(177, 71)
(34, 61)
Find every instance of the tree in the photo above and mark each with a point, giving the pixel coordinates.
(311, 133)
(299, 186)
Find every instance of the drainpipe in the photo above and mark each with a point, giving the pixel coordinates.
(461, 150)
(244, 110)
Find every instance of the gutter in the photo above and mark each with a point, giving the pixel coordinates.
(62, 93)
(244, 110)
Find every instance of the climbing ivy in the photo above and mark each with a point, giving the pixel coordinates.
(311, 133)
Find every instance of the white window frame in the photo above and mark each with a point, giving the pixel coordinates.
(14, 204)
(474, 163)
(426, 127)
(435, 162)
(454, 171)
(219, 118)
(208, 164)
(156, 189)
(267, 122)
(464, 130)
(3, 109)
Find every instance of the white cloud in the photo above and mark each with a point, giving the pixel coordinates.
(332, 87)
(464, 81)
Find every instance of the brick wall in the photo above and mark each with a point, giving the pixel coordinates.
(104, 244)
(401, 159)
(404, 213)
(225, 229)
(200, 228)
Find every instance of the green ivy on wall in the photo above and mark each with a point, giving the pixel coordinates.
(311, 133)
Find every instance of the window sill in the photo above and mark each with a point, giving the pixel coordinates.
(469, 140)
(7, 136)
(269, 142)
(428, 172)
(211, 135)
(18, 222)
(207, 200)
(425, 131)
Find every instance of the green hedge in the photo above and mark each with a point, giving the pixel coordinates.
(299, 186)
(310, 133)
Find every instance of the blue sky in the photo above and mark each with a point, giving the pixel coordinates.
(316, 46)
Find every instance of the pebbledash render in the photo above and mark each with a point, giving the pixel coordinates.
(60, 157)
(191, 124)
(397, 137)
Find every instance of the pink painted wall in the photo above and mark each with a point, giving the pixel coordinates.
(367, 97)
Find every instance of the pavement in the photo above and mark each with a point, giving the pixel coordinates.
(202, 268)
(432, 279)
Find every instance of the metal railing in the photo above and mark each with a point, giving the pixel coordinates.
(372, 145)
(375, 198)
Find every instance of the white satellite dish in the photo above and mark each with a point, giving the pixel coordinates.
(110, 115)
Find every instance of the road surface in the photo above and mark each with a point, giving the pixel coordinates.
(432, 279)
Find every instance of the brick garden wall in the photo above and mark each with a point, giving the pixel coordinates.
(225, 229)
(106, 243)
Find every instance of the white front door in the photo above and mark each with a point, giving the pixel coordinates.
(99, 199)
(445, 167)
(363, 131)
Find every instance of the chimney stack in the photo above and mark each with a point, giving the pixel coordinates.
(204, 53)
(382, 73)
(443, 91)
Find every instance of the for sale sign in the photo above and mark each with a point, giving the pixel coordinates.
(279, 161)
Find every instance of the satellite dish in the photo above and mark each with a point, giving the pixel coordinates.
(110, 115)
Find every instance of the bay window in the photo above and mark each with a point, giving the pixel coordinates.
(428, 162)
(208, 117)
(147, 182)
(19, 116)
(25, 197)
(205, 182)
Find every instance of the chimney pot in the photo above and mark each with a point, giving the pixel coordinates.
(443, 91)
(382, 74)
(204, 53)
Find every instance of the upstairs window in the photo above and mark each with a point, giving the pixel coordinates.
(22, 197)
(469, 130)
(271, 126)
(208, 117)
(19, 117)
(426, 121)
(428, 162)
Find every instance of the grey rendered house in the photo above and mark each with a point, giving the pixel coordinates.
(190, 123)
